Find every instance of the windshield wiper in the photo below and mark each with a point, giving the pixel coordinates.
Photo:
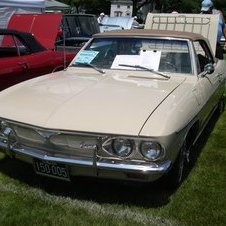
(92, 66)
(146, 68)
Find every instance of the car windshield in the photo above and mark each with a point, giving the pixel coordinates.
(155, 54)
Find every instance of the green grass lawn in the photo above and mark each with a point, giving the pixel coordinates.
(28, 199)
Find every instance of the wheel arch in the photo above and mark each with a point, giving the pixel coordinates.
(192, 134)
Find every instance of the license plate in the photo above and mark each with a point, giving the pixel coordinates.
(51, 169)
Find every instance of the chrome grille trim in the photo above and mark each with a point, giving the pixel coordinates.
(31, 153)
(55, 143)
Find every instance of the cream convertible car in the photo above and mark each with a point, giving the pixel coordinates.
(128, 107)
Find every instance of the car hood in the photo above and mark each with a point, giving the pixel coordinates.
(89, 102)
(44, 27)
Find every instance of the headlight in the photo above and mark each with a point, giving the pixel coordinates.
(122, 147)
(7, 135)
(151, 150)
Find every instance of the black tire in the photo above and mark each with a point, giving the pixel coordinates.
(221, 105)
(175, 176)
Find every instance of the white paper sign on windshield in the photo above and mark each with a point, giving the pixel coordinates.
(148, 59)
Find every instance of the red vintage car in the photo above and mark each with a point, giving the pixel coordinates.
(25, 55)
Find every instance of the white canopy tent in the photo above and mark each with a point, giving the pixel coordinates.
(23, 4)
(52, 5)
(9, 7)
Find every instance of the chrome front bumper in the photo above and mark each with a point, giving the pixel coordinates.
(95, 166)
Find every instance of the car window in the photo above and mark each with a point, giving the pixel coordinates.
(163, 55)
(79, 26)
(203, 55)
(11, 46)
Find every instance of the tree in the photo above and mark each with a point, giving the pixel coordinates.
(190, 6)
(89, 6)
(138, 4)
(183, 6)
(219, 4)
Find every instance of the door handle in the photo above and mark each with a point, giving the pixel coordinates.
(23, 64)
(220, 77)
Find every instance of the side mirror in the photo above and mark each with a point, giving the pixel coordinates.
(209, 68)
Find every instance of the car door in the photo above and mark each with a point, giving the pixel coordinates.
(45, 62)
(14, 66)
(209, 87)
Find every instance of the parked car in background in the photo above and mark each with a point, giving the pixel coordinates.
(65, 32)
(27, 48)
(118, 23)
(22, 57)
(130, 106)
(77, 29)
(44, 27)
(204, 24)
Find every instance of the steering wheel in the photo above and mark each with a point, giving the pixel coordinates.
(109, 54)
(170, 66)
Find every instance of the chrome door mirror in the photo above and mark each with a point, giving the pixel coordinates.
(209, 68)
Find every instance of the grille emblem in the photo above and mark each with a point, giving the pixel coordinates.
(83, 145)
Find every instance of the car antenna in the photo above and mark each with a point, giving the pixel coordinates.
(64, 48)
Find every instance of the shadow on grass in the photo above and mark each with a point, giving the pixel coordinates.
(83, 188)
(149, 195)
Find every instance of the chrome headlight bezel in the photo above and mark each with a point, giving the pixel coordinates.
(138, 148)
(111, 144)
(7, 134)
(5, 130)
(122, 147)
(151, 150)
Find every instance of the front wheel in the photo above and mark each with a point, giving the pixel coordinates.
(221, 105)
(175, 176)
